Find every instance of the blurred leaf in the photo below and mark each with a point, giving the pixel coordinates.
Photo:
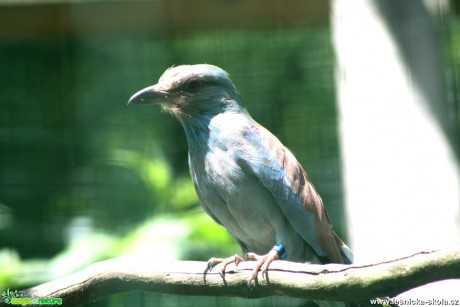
(191, 236)
(10, 266)
(153, 169)
(183, 195)
(83, 251)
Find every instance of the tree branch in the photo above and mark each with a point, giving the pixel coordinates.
(332, 281)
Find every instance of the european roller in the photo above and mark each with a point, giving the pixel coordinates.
(245, 178)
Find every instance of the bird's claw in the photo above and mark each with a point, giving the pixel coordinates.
(263, 262)
(224, 261)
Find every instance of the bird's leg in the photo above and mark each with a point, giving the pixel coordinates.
(277, 252)
(224, 261)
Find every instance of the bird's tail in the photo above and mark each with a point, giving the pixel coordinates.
(345, 251)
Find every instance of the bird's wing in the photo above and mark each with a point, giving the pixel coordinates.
(278, 170)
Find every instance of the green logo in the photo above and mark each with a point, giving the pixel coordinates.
(8, 295)
(17, 298)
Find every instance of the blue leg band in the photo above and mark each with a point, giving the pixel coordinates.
(281, 250)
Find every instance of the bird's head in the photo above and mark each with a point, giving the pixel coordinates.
(190, 91)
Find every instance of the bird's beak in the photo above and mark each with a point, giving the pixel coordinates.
(149, 95)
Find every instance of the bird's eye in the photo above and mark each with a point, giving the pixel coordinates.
(193, 86)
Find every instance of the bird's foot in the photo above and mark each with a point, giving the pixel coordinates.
(263, 261)
(224, 262)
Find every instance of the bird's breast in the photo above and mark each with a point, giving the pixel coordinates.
(216, 169)
(233, 196)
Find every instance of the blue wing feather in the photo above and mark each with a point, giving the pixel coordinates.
(278, 171)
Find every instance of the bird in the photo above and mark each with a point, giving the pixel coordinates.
(245, 178)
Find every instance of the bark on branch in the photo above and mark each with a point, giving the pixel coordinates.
(328, 282)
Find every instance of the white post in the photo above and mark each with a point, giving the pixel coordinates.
(401, 177)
